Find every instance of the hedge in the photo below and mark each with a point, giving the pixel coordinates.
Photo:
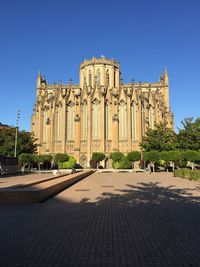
(70, 163)
(188, 174)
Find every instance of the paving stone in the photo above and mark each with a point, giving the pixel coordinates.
(121, 220)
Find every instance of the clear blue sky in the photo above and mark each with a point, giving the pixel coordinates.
(55, 36)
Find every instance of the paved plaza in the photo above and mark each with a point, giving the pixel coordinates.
(109, 219)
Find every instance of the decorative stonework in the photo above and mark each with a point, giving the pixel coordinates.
(96, 108)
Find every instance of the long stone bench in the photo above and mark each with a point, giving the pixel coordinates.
(122, 170)
(42, 191)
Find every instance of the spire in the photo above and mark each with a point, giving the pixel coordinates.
(165, 71)
(39, 79)
(165, 75)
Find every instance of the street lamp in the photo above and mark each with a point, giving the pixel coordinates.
(16, 131)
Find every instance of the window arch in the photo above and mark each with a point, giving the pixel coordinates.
(96, 120)
(122, 121)
(70, 121)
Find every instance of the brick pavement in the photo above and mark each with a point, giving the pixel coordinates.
(117, 219)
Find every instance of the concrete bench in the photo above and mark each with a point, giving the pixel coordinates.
(41, 191)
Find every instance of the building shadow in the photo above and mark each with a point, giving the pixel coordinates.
(139, 225)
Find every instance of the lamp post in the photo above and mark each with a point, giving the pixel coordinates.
(16, 131)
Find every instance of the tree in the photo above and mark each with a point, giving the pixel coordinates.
(188, 138)
(98, 156)
(161, 138)
(60, 158)
(192, 156)
(26, 159)
(45, 160)
(25, 144)
(116, 156)
(134, 156)
(168, 156)
(152, 157)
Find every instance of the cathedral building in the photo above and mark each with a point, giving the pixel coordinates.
(100, 114)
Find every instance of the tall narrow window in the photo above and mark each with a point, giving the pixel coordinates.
(44, 130)
(84, 121)
(133, 122)
(95, 120)
(107, 76)
(70, 122)
(122, 122)
(98, 78)
(59, 124)
(114, 78)
(150, 118)
(90, 78)
(108, 121)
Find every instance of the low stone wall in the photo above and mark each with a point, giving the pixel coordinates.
(42, 191)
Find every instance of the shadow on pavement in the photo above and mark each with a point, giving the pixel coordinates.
(142, 225)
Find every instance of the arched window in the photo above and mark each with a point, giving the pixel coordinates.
(96, 120)
(59, 120)
(84, 127)
(108, 121)
(90, 78)
(133, 122)
(44, 130)
(122, 122)
(98, 78)
(70, 122)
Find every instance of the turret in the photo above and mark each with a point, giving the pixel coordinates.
(101, 71)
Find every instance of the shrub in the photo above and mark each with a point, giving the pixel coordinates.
(70, 163)
(134, 156)
(123, 164)
(188, 174)
(60, 158)
(98, 156)
(116, 156)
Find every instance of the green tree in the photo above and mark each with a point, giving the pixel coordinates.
(60, 158)
(134, 156)
(98, 156)
(172, 156)
(192, 156)
(44, 160)
(188, 138)
(116, 156)
(26, 142)
(26, 159)
(160, 138)
(152, 156)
